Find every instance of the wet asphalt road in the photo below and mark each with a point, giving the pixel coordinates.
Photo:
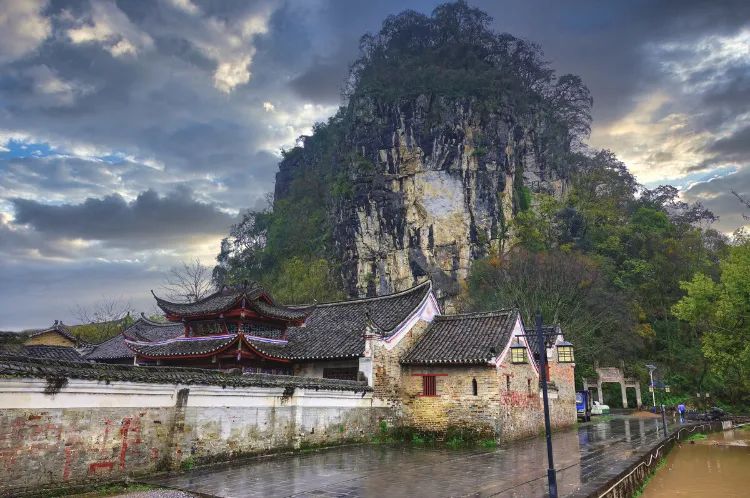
(584, 455)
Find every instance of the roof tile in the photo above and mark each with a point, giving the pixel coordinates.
(473, 338)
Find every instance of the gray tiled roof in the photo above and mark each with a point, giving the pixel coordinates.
(336, 330)
(228, 298)
(20, 366)
(472, 338)
(332, 330)
(52, 352)
(142, 330)
(205, 346)
(183, 347)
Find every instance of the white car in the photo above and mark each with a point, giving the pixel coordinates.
(599, 409)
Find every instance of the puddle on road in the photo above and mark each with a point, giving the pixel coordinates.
(717, 466)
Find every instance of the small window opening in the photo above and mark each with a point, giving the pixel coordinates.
(428, 385)
(507, 383)
(474, 387)
(528, 382)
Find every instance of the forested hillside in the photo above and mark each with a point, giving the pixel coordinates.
(459, 155)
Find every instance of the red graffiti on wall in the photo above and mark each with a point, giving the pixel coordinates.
(124, 445)
(100, 465)
(68, 460)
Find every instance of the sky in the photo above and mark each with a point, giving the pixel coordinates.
(134, 133)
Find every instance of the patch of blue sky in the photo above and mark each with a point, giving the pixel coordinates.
(18, 149)
(684, 182)
(114, 158)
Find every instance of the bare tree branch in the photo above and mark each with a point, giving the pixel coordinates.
(189, 281)
(103, 319)
(742, 200)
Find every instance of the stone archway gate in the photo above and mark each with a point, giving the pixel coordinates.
(614, 375)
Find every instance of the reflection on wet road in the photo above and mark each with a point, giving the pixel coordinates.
(587, 454)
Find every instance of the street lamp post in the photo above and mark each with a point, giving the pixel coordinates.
(651, 369)
(551, 475)
(566, 353)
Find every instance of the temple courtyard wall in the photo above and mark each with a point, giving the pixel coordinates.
(57, 433)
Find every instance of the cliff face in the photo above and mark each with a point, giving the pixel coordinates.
(428, 185)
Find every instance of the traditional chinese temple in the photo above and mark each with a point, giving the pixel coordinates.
(233, 328)
(478, 370)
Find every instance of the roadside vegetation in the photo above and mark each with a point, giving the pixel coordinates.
(631, 274)
(453, 438)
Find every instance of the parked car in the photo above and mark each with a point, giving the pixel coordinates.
(599, 409)
(583, 405)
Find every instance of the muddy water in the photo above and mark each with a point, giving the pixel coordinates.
(717, 466)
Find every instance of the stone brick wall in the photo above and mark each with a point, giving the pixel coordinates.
(388, 385)
(562, 409)
(507, 406)
(89, 431)
(455, 404)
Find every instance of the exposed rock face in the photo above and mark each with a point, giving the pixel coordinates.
(434, 185)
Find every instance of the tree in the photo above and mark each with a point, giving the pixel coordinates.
(718, 312)
(745, 202)
(189, 281)
(539, 228)
(303, 281)
(569, 289)
(103, 319)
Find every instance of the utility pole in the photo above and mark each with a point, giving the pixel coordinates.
(551, 475)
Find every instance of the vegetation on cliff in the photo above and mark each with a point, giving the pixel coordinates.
(611, 263)
(447, 60)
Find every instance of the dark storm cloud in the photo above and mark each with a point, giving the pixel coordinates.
(736, 144)
(322, 82)
(113, 219)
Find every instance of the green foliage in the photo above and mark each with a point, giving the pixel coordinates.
(488, 443)
(188, 463)
(717, 312)
(454, 442)
(698, 436)
(112, 489)
(536, 229)
(417, 439)
(633, 247)
(524, 198)
(301, 281)
(99, 332)
(455, 54)
(569, 288)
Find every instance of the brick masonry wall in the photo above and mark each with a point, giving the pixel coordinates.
(507, 406)
(454, 405)
(388, 386)
(57, 442)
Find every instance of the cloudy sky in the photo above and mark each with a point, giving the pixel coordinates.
(132, 133)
